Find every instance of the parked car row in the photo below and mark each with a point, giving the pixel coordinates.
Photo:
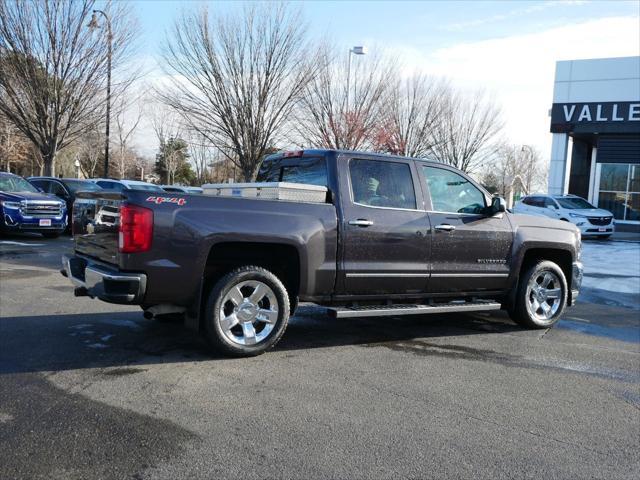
(44, 204)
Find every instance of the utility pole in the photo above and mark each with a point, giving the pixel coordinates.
(92, 25)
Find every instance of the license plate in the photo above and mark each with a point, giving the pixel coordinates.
(45, 222)
(602, 229)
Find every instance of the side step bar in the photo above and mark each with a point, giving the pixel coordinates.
(397, 310)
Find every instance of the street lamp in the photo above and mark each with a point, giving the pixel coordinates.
(77, 165)
(359, 50)
(93, 24)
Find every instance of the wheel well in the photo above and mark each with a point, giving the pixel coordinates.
(282, 260)
(562, 258)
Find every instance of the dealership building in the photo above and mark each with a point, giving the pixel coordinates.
(595, 122)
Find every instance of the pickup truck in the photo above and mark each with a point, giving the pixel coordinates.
(391, 236)
(24, 208)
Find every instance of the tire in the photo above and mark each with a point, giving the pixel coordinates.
(240, 322)
(551, 293)
(51, 234)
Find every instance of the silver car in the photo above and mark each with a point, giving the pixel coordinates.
(591, 221)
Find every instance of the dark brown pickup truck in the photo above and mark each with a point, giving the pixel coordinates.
(391, 236)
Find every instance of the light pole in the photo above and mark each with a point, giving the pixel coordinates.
(94, 24)
(360, 50)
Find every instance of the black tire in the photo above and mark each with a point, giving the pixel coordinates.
(521, 312)
(213, 329)
(51, 234)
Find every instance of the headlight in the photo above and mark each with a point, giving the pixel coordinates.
(6, 204)
(576, 215)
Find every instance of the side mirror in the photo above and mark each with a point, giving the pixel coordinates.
(498, 205)
(40, 189)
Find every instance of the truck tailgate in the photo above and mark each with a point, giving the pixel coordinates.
(96, 218)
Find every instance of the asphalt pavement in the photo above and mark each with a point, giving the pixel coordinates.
(90, 390)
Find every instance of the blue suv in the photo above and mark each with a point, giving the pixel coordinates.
(23, 208)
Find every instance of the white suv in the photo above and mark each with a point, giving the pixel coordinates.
(590, 220)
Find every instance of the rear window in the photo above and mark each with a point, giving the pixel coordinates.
(308, 170)
(142, 186)
(80, 186)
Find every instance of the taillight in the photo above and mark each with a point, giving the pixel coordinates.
(136, 228)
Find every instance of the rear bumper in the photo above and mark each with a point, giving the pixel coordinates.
(576, 281)
(97, 280)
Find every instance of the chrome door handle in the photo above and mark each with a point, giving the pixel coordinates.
(361, 222)
(444, 227)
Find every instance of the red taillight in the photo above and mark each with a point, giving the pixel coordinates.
(136, 227)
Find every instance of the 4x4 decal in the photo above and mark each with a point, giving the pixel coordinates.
(159, 200)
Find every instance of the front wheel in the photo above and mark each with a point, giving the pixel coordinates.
(247, 312)
(541, 296)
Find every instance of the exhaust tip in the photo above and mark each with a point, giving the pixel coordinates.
(148, 315)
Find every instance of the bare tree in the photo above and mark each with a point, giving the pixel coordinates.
(234, 79)
(334, 113)
(413, 108)
(466, 135)
(89, 152)
(167, 127)
(514, 167)
(14, 148)
(53, 69)
(202, 155)
(127, 119)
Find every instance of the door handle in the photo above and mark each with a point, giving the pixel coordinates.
(361, 222)
(445, 227)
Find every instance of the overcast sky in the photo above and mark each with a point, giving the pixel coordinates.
(508, 48)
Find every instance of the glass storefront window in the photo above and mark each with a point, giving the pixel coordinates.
(613, 177)
(633, 207)
(619, 190)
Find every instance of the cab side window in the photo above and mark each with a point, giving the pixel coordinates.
(41, 184)
(58, 190)
(378, 183)
(549, 203)
(453, 193)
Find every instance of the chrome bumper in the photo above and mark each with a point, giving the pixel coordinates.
(99, 281)
(576, 281)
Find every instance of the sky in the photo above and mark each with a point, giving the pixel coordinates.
(506, 48)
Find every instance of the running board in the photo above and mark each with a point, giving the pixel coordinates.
(396, 310)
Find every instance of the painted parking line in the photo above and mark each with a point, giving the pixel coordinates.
(21, 244)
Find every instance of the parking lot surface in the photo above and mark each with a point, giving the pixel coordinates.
(91, 390)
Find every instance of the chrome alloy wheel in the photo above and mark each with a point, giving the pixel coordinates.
(544, 296)
(248, 312)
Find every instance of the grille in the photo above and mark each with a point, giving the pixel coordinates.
(42, 210)
(600, 220)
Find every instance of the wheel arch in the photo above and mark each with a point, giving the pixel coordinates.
(282, 259)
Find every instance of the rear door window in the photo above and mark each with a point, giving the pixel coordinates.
(308, 170)
(378, 183)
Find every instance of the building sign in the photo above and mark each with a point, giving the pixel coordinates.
(603, 117)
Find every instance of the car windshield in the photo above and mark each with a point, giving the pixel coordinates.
(574, 203)
(15, 184)
(79, 186)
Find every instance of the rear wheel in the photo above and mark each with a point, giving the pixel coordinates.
(541, 296)
(247, 312)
